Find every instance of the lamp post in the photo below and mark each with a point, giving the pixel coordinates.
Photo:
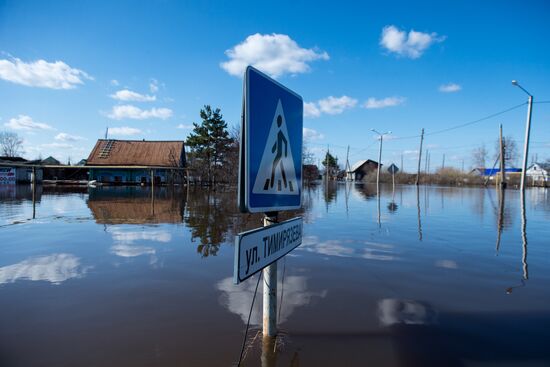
(381, 136)
(527, 133)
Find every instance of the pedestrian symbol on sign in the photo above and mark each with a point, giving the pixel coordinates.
(276, 174)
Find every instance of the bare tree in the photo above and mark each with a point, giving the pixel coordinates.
(479, 156)
(10, 144)
(510, 150)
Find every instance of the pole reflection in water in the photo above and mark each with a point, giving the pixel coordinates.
(33, 200)
(524, 236)
(269, 351)
(418, 211)
(500, 220)
(392, 206)
(378, 205)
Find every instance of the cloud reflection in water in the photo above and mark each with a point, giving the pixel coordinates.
(55, 269)
(238, 298)
(350, 248)
(125, 241)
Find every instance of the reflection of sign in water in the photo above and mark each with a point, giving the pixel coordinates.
(256, 249)
(7, 175)
(270, 168)
(276, 174)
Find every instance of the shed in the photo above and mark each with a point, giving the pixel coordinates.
(121, 156)
(360, 169)
(491, 172)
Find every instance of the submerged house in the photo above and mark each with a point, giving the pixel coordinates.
(539, 172)
(14, 170)
(131, 161)
(360, 169)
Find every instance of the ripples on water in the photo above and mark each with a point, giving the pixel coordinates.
(430, 276)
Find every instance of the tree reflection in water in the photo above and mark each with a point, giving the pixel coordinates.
(214, 219)
(210, 216)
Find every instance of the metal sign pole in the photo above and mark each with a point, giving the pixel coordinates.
(270, 288)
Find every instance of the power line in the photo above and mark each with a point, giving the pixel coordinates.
(464, 124)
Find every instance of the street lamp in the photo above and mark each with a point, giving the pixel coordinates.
(381, 135)
(527, 133)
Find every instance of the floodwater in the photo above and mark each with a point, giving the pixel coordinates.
(428, 277)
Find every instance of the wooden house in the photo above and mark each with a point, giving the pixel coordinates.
(131, 161)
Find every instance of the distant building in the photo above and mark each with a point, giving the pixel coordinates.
(50, 161)
(119, 157)
(539, 172)
(360, 169)
(13, 171)
(491, 172)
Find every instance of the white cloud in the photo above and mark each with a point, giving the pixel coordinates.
(185, 127)
(373, 103)
(330, 105)
(128, 95)
(67, 137)
(412, 44)
(310, 134)
(311, 110)
(334, 106)
(274, 54)
(136, 113)
(449, 88)
(24, 122)
(124, 130)
(115, 83)
(40, 73)
(58, 146)
(154, 86)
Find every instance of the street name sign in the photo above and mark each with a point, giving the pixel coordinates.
(258, 248)
(270, 163)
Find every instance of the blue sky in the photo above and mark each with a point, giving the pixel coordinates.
(144, 69)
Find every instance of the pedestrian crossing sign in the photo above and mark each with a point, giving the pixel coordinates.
(270, 170)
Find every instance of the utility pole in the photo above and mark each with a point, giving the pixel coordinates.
(462, 164)
(429, 160)
(419, 158)
(402, 169)
(426, 162)
(443, 165)
(381, 137)
(527, 134)
(502, 161)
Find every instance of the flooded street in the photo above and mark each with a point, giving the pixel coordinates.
(433, 276)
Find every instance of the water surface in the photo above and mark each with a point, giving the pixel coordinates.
(433, 276)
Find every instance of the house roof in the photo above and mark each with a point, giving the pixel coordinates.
(12, 159)
(544, 166)
(136, 153)
(358, 164)
(50, 160)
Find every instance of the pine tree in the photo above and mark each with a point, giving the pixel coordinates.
(209, 142)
